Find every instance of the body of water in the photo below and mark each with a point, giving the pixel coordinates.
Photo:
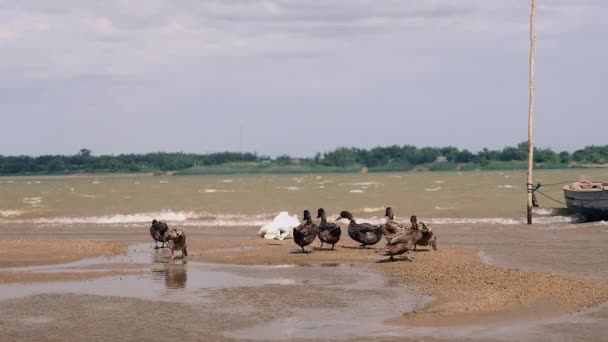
(495, 197)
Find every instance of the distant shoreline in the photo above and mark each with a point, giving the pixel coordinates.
(236, 170)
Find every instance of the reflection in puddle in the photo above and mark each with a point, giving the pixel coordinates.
(174, 276)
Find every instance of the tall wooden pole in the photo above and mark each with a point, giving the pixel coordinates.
(531, 112)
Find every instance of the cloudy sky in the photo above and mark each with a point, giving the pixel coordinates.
(297, 76)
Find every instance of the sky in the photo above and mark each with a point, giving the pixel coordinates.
(297, 76)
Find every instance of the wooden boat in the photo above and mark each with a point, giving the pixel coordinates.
(587, 199)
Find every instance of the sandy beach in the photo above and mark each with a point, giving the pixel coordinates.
(258, 288)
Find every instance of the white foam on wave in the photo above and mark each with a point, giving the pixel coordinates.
(95, 181)
(292, 188)
(33, 201)
(11, 213)
(543, 211)
(163, 215)
(226, 181)
(503, 220)
(370, 210)
(366, 184)
(357, 191)
(164, 181)
(298, 179)
(433, 189)
(442, 208)
(210, 191)
(505, 186)
(88, 195)
(439, 182)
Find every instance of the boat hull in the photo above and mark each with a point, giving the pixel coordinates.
(591, 205)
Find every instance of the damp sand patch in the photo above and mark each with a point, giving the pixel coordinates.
(16, 253)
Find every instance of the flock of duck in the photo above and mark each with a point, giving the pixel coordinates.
(400, 238)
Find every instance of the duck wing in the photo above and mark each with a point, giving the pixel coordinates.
(408, 237)
(366, 228)
(330, 227)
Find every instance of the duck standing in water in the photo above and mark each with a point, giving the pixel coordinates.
(157, 231)
(365, 233)
(176, 240)
(329, 232)
(305, 234)
(391, 228)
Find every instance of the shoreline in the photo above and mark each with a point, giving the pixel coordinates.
(287, 171)
(465, 290)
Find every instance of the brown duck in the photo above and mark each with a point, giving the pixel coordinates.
(176, 240)
(400, 244)
(391, 228)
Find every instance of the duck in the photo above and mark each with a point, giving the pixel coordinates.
(305, 234)
(391, 228)
(365, 233)
(157, 231)
(423, 236)
(329, 232)
(176, 240)
(427, 237)
(400, 244)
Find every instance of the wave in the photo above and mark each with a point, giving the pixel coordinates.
(164, 215)
(504, 221)
(33, 201)
(367, 184)
(506, 186)
(370, 210)
(357, 191)
(292, 188)
(11, 213)
(183, 218)
(433, 189)
(215, 190)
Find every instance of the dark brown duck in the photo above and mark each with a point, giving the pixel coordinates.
(305, 234)
(157, 231)
(329, 232)
(365, 233)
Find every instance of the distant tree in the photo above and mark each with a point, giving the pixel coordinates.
(283, 159)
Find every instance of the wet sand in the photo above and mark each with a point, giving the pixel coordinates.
(43, 252)
(487, 283)
(465, 289)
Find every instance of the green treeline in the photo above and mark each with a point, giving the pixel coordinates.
(391, 158)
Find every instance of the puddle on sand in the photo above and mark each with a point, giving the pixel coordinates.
(369, 302)
(180, 281)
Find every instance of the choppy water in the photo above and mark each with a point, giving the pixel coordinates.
(251, 200)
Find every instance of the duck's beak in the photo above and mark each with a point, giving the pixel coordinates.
(339, 218)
